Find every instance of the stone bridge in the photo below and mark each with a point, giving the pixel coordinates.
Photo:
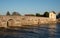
(6, 21)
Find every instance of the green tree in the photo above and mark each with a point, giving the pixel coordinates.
(46, 14)
(16, 13)
(37, 14)
(58, 15)
(8, 13)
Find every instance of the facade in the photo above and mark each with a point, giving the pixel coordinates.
(18, 21)
(52, 15)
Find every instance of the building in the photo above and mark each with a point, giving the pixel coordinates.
(52, 16)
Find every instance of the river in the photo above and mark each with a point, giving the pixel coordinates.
(39, 31)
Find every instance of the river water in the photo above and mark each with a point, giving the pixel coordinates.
(39, 31)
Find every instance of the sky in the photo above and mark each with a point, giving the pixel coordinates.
(29, 6)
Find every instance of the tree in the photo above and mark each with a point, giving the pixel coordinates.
(8, 13)
(58, 15)
(37, 14)
(46, 14)
(16, 13)
(29, 15)
(32, 14)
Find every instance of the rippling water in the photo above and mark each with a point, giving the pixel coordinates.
(39, 31)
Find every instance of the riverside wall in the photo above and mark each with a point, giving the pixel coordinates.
(18, 21)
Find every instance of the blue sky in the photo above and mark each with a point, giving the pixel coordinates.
(29, 6)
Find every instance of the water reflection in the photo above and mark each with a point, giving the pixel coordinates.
(57, 33)
(39, 31)
(52, 30)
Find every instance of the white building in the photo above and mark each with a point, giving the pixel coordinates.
(52, 16)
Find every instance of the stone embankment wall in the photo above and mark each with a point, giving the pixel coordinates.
(6, 21)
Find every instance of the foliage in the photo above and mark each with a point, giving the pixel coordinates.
(8, 13)
(32, 14)
(29, 15)
(58, 15)
(46, 14)
(37, 14)
(16, 13)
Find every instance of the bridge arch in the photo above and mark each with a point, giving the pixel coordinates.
(10, 22)
(1, 23)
